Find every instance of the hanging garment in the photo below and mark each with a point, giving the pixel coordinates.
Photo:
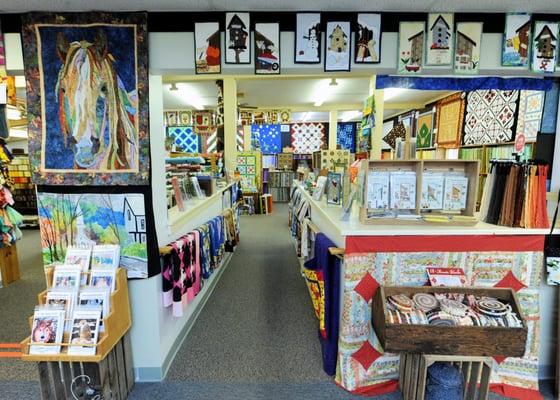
(541, 219)
(167, 279)
(205, 250)
(487, 193)
(497, 197)
(519, 197)
(324, 269)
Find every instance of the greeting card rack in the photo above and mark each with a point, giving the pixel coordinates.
(109, 372)
(418, 216)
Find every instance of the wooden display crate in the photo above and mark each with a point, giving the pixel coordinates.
(455, 340)
(413, 370)
(9, 264)
(116, 324)
(466, 217)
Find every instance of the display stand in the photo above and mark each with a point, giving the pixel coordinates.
(9, 264)
(109, 371)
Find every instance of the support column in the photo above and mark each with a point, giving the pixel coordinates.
(333, 122)
(377, 130)
(247, 138)
(230, 122)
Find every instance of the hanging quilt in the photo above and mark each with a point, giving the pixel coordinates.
(531, 103)
(399, 131)
(249, 167)
(87, 93)
(425, 129)
(346, 136)
(266, 138)
(363, 367)
(490, 116)
(331, 159)
(185, 138)
(450, 113)
(308, 137)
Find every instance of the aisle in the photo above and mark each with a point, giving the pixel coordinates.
(257, 336)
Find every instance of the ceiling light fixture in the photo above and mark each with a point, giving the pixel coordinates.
(173, 87)
(350, 115)
(323, 90)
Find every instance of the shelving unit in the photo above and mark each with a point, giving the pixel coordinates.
(279, 184)
(23, 189)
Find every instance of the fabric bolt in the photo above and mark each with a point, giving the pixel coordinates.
(508, 202)
(487, 193)
(328, 267)
(542, 215)
(408, 268)
(519, 197)
(490, 115)
(497, 197)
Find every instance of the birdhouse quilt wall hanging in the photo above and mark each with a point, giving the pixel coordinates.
(337, 46)
(267, 49)
(440, 39)
(517, 39)
(238, 49)
(367, 49)
(308, 38)
(545, 46)
(411, 47)
(207, 48)
(467, 48)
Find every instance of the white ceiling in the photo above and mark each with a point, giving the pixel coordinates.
(283, 5)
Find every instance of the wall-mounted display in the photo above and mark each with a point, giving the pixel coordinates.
(440, 39)
(267, 48)
(411, 47)
(337, 46)
(467, 48)
(88, 219)
(450, 112)
(87, 92)
(424, 129)
(529, 116)
(517, 40)
(490, 116)
(238, 49)
(544, 46)
(185, 138)
(266, 138)
(207, 46)
(346, 136)
(367, 49)
(308, 137)
(308, 38)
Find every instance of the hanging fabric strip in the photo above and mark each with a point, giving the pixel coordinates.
(463, 84)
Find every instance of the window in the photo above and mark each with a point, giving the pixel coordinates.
(143, 224)
(128, 215)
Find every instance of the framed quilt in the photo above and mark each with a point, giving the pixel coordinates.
(331, 159)
(517, 40)
(308, 137)
(398, 132)
(468, 40)
(367, 49)
(249, 167)
(531, 104)
(450, 114)
(440, 39)
(207, 46)
(308, 38)
(185, 138)
(410, 58)
(266, 138)
(490, 116)
(346, 136)
(87, 96)
(424, 129)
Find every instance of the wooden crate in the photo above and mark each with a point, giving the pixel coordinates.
(466, 217)
(413, 371)
(455, 340)
(9, 264)
(116, 324)
(111, 378)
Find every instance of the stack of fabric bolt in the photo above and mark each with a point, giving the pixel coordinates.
(515, 195)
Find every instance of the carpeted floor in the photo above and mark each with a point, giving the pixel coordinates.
(255, 339)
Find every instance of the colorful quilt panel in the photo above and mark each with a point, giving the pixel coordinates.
(268, 138)
(185, 138)
(531, 104)
(308, 137)
(346, 136)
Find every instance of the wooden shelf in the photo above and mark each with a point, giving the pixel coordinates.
(116, 324)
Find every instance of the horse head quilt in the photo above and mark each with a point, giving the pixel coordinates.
(87, 96)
